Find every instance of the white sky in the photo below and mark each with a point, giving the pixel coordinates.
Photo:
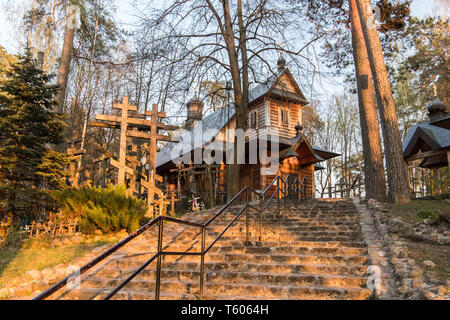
(125, 12)
(9, 38)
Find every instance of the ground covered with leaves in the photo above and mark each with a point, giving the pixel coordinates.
(435, 214)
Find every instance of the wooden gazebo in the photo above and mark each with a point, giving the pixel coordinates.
(430, 142)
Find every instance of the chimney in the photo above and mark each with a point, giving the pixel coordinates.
(195, 111)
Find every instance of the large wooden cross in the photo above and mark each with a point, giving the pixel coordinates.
(120, 122)
(137, 126)
(125, 107)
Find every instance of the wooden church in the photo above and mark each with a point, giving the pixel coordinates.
(275, 109)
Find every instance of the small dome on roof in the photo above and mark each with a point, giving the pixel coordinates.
(436, 106)
(281, 63)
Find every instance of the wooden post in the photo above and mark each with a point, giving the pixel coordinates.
(448, 159)
(74, 154)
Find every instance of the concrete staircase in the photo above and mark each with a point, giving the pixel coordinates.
(312, 251)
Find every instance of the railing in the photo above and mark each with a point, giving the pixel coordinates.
(291, 187)
(345, 190)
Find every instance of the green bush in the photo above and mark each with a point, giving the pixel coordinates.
(108, 210)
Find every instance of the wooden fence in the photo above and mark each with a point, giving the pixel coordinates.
(51, 228)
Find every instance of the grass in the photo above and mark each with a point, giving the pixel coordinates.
(36, 254)
(418, 210)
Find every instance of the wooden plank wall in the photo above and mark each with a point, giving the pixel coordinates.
(275, 121)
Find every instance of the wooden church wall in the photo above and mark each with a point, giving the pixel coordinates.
(286, 131)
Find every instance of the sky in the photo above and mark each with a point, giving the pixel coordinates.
(125, 16)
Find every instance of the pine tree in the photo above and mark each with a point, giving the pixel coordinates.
(28, 126)
(396, 166)
(375, 181)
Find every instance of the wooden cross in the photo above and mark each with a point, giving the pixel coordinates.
(101, 171)
(149, 185)
(162, 205)
(125, 107)
(120, 122)
(153, 138)
(113, 162)
(136, 127)
(74, 154)
(173, 199)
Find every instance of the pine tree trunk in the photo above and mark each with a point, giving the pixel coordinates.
(375, 181)
(64, 67)
(396, 167)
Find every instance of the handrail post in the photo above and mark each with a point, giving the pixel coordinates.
(286, 191)
(158, 266)
(295, 193)
(202, 263)
(247, 236)
(278, 194)
(260, 217)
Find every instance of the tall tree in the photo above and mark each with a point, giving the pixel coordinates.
(27, 125)
(375, 181)
(396, 167)
(64, 66)
(342, 49)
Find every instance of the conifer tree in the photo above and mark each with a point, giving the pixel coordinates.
(28, 126)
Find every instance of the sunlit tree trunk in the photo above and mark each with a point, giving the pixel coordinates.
(396, 167)
(64, 67)
(375, 181)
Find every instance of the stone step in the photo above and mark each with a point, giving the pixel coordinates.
(147, 246)
(223, 248)
(294, 217)
(218, 289)
(280, 231)
(287, 223)
(294, 227)
(136, 262)
(281, 268)
(241, 229)
(225, 276)
(275, 237)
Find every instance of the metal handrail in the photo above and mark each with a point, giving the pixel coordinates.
(94, 262)
(160, 221)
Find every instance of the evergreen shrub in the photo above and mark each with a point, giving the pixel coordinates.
(108, 210)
